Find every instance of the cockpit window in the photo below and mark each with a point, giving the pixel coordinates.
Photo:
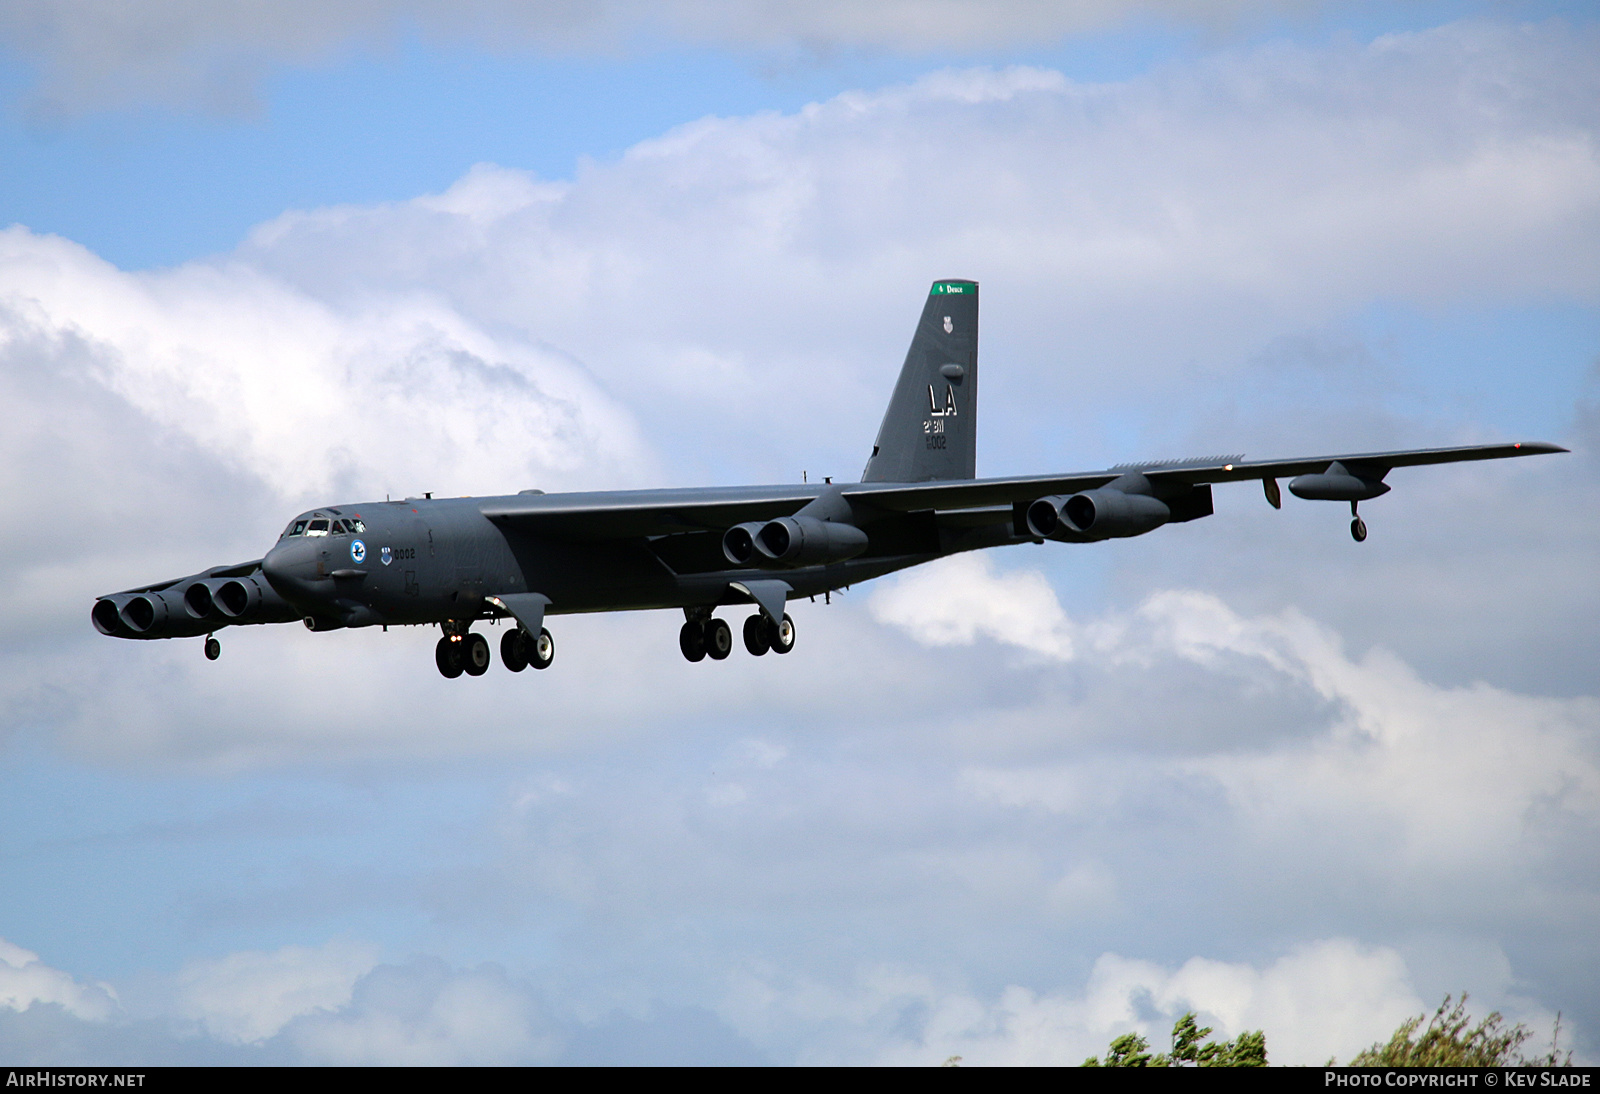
(356, 525)
(317, 527)
(299, 528)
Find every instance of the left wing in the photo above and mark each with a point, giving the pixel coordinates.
(907, 498)
(624, 514)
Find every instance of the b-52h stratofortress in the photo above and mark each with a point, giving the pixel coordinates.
(527, 556)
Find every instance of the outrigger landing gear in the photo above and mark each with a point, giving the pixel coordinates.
(1358, 527)
(213, 648)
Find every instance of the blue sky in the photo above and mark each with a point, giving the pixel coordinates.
(1004, 807)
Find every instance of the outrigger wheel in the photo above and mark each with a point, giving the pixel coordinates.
(213, 648)
(1358, 527)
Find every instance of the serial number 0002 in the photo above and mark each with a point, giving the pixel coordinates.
(404, 553)
(935, 440)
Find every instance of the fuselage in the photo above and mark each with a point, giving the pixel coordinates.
(427, 560)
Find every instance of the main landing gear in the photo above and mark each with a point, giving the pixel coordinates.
(461, 650)
(707, 636)
(1358, 527)
(519, 649)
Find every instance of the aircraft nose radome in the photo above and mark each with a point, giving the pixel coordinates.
(288, 566)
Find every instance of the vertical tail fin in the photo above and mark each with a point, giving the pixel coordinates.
(930, 430)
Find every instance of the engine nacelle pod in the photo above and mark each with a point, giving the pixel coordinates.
(200, 599)
(1112, 514)
(807, 541)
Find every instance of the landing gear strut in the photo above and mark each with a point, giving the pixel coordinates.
(1358, 527)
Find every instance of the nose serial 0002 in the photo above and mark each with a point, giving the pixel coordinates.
(522, 557)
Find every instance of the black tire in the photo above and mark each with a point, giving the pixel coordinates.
(719, 639)
(514, 649)
(447, 655)
(781, 636)
(1358, 530)
(756, 639)
(692, 641)
(475, 658)
(542, 650)
(213, 649)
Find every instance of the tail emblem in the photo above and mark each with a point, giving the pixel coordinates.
(949, 327)
(949, 402)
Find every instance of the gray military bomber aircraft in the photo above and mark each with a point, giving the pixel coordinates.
(523, 557)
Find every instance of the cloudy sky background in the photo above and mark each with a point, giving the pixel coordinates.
(268, 256)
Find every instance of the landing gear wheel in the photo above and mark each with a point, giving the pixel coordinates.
(447, 655)
(542, 650)
(781, 637)
(1358, 530)
(692, 640)
(475, 658)
(719, 639)
(514, 649)
(756, 639)
(213, 648)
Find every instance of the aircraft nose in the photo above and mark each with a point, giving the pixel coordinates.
(290, 567)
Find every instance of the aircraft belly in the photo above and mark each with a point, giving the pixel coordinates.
(590, 577)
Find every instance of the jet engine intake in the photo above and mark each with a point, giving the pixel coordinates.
(199, 600)
(807, 541)
(239, 598)
(739, 543)
(107, 617)
(145, 614)
(1044, 517)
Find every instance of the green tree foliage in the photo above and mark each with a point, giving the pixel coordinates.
(1189, 1049)
(1449, 1042)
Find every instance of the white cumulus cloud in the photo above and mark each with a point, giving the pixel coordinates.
(25, 980)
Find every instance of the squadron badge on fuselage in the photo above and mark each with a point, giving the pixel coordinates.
(386, 556)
